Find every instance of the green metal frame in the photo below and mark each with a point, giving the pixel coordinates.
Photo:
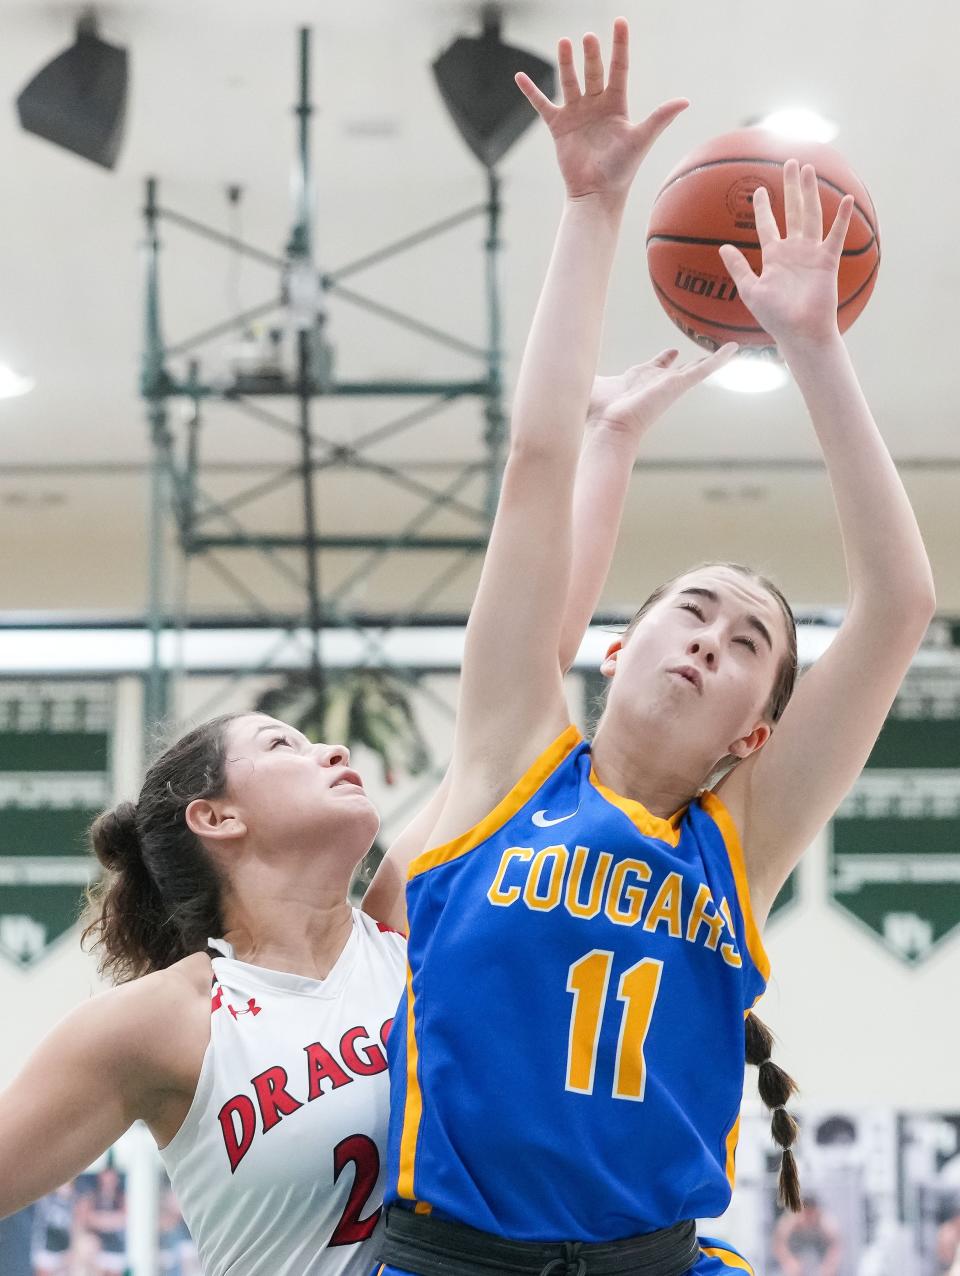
(176, 476)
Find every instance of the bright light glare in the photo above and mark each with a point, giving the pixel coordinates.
(800, 123)
(12, 384)
(749, 374)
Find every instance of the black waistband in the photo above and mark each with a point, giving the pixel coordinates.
(432, 1246)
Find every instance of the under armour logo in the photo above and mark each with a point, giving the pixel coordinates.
(251, 1008)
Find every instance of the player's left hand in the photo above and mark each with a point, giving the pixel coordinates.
(794, 298)
(631, 402)
(598, 149)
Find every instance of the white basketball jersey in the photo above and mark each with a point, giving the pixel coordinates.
(279, 1165)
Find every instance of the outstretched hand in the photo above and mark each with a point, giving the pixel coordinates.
(598, 149)
(795, 295)
(631, 402)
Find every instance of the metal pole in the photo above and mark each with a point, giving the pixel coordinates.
(300, 245)
(495, 434)
(314, 606)
(299, 253)
(153, 374)
(154, 385)
(155, 697)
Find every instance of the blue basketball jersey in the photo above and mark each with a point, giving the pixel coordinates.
(568, 1061)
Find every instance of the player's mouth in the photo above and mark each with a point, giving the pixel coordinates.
(691, 675)
(347, 777)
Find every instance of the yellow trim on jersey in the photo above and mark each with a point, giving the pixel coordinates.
(718, 812)
(649, 825)
(733, 1138)
(729, 1259)
(413, 1104)
(505, 810)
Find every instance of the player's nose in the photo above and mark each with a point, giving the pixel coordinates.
(704, 648)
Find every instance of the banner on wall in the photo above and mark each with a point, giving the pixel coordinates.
(894, 857)
(55, 776)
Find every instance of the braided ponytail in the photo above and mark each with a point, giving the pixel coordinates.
(776, 1089)
(161, 896)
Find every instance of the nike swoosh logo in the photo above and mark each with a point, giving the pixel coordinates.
(542, 822)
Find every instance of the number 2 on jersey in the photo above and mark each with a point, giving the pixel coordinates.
(588, 980)
(360, 1151)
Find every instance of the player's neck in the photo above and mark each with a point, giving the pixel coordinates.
(644, 762)
(285, 928)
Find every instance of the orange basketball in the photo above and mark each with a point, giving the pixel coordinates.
(708, 200)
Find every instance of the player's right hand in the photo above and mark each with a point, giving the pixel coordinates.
(598, 149)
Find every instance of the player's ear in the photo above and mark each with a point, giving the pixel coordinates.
(210, 818)
(608, 666)
(748, 744)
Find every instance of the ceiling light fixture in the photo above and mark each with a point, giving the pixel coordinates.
(801, 123)
(12, 384)
(751, 374)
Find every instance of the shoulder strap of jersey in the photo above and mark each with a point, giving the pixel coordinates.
(553, 756)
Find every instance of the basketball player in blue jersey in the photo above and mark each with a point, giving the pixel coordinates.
(585, 927)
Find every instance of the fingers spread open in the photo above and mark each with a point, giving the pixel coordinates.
(620, 56)
(721, 356)
(793, 197)
(841, 224)
(660, 118)
(767, 231)
(704, 367)
(666, 357)
(737, 266)
(592, 65)
(812, 209)
(569, 84)
(539, 101)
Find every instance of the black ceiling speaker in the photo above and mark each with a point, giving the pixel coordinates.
(475, 78)
(79, 100)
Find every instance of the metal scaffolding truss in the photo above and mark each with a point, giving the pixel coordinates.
(211, 528)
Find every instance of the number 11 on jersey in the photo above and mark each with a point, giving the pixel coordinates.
(588, 980)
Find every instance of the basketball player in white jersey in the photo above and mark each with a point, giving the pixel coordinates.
(258, 1062)
(248, 1031)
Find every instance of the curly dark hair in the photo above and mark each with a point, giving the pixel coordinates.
(160, 898)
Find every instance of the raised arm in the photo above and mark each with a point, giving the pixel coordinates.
(622, 409)
(784, 794)
(511, 697)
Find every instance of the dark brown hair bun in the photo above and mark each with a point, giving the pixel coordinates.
(115, 838)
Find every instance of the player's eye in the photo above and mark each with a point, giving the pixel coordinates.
(748, 642)
(281, 739)
(694, 607)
